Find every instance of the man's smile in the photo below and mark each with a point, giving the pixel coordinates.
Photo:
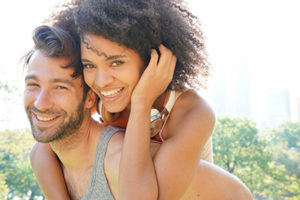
(44, 121)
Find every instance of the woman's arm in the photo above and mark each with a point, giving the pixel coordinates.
(48, 172)
(176, 162)
(137, 179)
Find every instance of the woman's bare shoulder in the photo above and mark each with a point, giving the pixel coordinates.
(191, 110)
(191, 103)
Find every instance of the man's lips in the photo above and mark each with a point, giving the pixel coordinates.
(42, 120)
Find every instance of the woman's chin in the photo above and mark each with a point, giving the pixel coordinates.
(114, 109)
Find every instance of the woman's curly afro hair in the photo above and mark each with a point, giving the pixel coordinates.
(142, 25)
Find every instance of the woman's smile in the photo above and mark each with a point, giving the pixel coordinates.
(111, 95)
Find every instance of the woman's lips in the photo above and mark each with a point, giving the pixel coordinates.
(111, 95)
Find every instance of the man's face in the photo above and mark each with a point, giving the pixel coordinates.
(52, 98)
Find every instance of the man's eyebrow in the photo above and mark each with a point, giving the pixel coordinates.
(56, 80)
(65, 81)
(33, 77)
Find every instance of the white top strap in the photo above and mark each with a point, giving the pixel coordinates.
(171, 101)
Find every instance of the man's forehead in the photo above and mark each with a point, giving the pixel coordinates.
(42, 67)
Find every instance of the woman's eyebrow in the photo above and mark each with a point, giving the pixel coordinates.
(113, 57)
(108, 58)
(85, 60)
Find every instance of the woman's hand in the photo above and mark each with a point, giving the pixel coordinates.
(156, 77)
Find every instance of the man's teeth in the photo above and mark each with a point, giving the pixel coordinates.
(111, 93)
(44, 118)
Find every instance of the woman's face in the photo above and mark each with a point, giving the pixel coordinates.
(110, 70)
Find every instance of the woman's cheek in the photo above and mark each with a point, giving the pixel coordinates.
(88, 78)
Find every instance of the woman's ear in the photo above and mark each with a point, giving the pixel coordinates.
(91, 99)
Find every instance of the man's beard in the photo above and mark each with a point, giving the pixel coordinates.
(66, 128)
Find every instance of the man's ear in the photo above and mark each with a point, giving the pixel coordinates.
(91, 99)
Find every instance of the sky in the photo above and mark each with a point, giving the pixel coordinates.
(263, 35)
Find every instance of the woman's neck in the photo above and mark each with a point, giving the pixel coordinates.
(124, 115)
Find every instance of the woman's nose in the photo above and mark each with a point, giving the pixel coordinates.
(103, 78)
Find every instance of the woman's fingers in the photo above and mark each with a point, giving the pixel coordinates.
(172, 65)
(153, 60)
(165, 57)
(167, 63)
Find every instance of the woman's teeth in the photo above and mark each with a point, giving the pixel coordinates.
(111, 93)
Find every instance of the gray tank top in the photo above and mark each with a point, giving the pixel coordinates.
(98, 187)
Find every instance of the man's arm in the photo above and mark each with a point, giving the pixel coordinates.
(48, 172)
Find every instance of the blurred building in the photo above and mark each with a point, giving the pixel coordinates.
(231, 96)
(298, 109)
(242, 91)
(278, 109)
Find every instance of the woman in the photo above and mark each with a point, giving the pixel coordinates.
(118, 38)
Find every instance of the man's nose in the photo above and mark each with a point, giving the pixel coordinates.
(103, 78)
(43, 101)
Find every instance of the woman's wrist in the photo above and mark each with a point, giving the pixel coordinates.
(140, 108)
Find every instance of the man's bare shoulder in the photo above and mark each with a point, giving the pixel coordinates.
(99, 128)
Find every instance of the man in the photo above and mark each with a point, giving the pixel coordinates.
(58, 104)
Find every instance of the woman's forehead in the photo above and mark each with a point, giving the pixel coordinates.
(101, 46)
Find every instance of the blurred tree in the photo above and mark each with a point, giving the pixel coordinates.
(3, 187)
(9, 96)
(284, 140)
(15, 146)
(239, 149)
(5, 87)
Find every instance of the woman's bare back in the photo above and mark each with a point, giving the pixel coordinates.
(209, 182)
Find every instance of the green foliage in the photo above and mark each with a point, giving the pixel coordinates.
(4, 87)
(234, 141)
(267, 163)
(7, 88)
(15, 146)
(3, 187)
(285, 143)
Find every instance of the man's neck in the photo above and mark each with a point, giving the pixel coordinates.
(72, 150)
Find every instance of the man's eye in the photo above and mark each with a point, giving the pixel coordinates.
(88, 66)
(61, 87)
(31, 85)
(117, 63)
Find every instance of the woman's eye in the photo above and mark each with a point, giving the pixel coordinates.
(88, 66)
(117, 63)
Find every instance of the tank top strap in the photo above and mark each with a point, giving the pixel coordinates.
(105, 136)
(98, 186)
